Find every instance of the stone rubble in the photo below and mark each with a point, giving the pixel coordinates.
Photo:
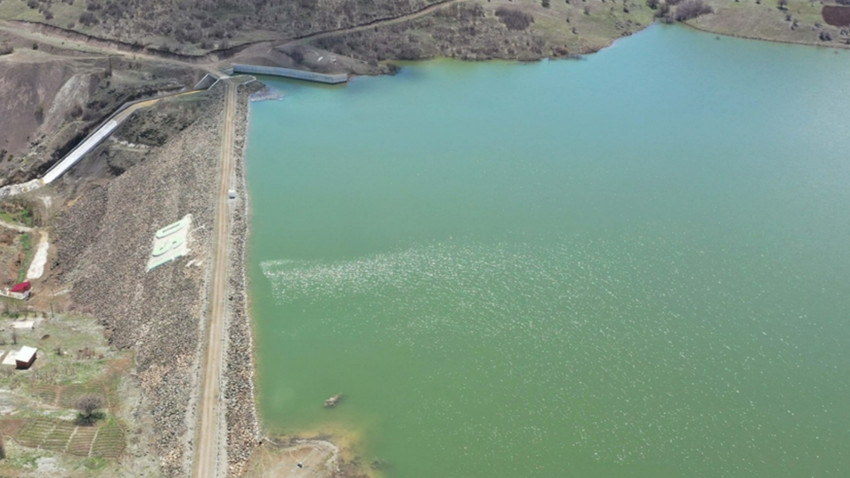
(243, 431)
(104, 240)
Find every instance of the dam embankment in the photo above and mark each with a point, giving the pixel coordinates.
(243, 428)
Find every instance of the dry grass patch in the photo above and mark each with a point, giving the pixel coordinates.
(800, 21)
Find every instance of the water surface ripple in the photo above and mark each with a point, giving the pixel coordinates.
(632, 265)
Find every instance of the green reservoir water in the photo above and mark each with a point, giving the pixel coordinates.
(633, 265)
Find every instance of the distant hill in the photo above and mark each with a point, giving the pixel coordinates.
(202, 25)
(376, 30)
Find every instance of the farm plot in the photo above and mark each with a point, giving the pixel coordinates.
(63, 436)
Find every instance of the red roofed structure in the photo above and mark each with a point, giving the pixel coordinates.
(21, 287)
(21, 291)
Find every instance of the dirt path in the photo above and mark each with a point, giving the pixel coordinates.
(15, 227)
(39, 259)
(210, 453)
(24, 31)
(98, 46)
(381, 22)
(67, 39)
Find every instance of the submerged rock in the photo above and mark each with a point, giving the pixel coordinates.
(333, 401)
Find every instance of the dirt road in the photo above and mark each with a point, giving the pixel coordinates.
(209, 448)
(15, 227)
(210, 452)
(381, 22)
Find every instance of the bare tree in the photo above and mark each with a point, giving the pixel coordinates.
(88, 405)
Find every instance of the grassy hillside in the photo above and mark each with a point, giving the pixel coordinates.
(792, 21)
(467, 29)
(192, 26)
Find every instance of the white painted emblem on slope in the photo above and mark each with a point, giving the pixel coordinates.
(170, 242)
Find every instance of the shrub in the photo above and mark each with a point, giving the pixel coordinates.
(836, 16)
(691, 9)
(114, 10)
(514, 19)
(663, 12)
(88, 19)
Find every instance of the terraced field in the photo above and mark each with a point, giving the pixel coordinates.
(109, 442)
(46, 433)
(66, 396)
(63, 436)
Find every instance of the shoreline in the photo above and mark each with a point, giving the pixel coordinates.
(243, 421)
(829, 46)
(241, 326)
(245, 431)
(241, 417)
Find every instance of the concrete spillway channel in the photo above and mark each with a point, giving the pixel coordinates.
(77, 153)
(100, 134)
(89, 143)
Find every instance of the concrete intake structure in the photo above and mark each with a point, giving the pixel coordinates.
(332, 79)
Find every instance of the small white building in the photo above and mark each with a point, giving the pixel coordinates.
(21, 359)
(25, 357)
(24, 325)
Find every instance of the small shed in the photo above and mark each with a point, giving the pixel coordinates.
(21, 291)
(25, 357)
(24, 325)
(21, 287)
